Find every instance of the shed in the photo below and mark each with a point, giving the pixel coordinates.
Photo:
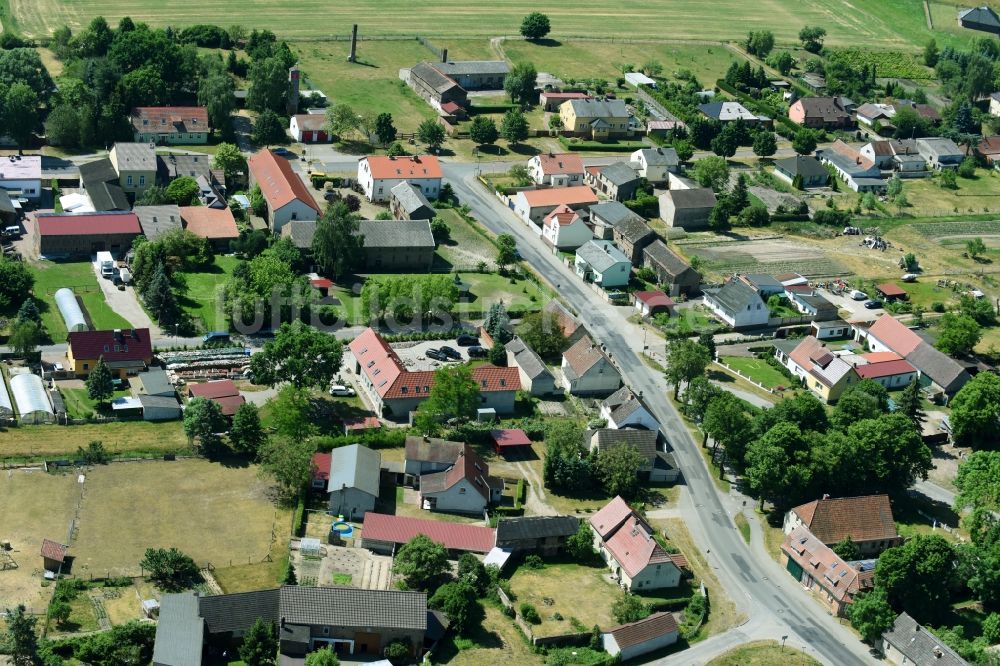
(70, 310)
(637, 638)
(510, 440)
(31, 399)
(53, 555)
(891, 291)
(638, 79)
(354, 480)
(152, 382)
(159, 407)
(125, 407)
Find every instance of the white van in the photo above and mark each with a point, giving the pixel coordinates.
(106, 263)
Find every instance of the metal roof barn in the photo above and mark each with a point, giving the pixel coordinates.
(70, 310)
(31, 398)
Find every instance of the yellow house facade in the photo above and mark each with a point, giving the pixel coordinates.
(135, 164)
(595, 118)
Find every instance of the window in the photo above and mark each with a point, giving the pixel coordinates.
(117, 348)
(125, 348)
(129, 180)
(461, 491)
(86, 366)
(142, 180)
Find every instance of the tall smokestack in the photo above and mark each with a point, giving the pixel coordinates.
(444, 55)
(293, 90)
(354, 44)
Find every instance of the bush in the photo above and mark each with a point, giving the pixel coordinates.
(299, 521)
(534, 562)
(530, 614)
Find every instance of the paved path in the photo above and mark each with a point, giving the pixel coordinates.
(125, 303)
(752, 398)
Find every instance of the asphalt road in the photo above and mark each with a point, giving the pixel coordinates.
(776, 605)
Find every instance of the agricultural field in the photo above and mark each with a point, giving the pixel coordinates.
(889, 64)
(50, 276)
(55, 441)
(878, 23)
(761, 256)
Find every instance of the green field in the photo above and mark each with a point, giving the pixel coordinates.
(764, 653)
(874, 23)
(758, 370)
(203, 288)
(79, 405)
(79, 276)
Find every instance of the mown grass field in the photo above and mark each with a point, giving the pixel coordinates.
(53, 441)
(50, 276)
(203, 289)
(875, 23)
(763, 653)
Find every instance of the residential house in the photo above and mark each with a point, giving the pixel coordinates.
(726, 112)
(567, 322)
(378, 174)
(556, 169)
(687, 209)
(83, 234)
(737, 304)
(820, 113)
(866, 520)
(551, 100)
(100, 183)
(157, 221)
(135, 164)
(587, 370)
(632, 236)
(989, 149)
(211, 182)
(545, 535)
(901, 157)
(925, 111)
(215, 224)
(126, 352)
(465, 487)
(348, 620)
(309, 128)
(301, 232)
(635, 639)
(21, 176)
(802, 171)
(353, 481)
(170, 124)
(475, 74)
(826, 374)
(651, 303)
(287, 197)
(397, 245)
(625, 541)
(533, 205)
(830, 330)
(407, 202)
(940, 153)
(660, 128)
(658, 466)
(394, 390)
(536, 378)
(982, 18)
(819, 569)
(606, 216)
(565, 229)
(598, 119)
(600, 262)
(222, 392)
(860, 174)
(624, 409)
(763, 284)
(672, 272)
(617, 181)
(654, 164)
(909, 642)
(810, 302)
(871, 113)
(385, 534)
(427, 455)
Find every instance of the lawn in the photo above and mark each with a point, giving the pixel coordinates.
(763, 653)
(79, 405)
(693, 319)
(585, 593)
(79, 276)
(496, 642)
(249, 577)
(53, 441)
(925, 293)
(202, 300)
(758, 370)
(214, 513)
(466, 247)
(980, 194)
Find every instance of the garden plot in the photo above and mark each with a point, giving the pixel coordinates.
(970, 229)
(766, 256)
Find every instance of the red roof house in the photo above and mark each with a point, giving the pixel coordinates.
(223, 392)
(891, 291)
(378, 174)
(216, 224)
(125, 351)
(321, 469)
(641, 637)
(286, 194)
(653, 302)
(817, 567)
(636, 560)
(177, 124)
(382, 532)
(867, 520)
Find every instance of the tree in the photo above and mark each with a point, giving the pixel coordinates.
(520, 83)
(458, 602)
(712, 172)
(967, 168)
(421, 562)
(764, 144)
(268, 85)
(247, 434)
(812, 38)
(699, 395)
(506, 251)
(865, 400)
(342, 120)
(203, 420)
(322, 657)
(100, 383)
(686, 360)
(804, 141)
(544, 335)
(229, 158)
(29, 311)
(978, 482)
(917, 576)
(497, 322)
(60, 612)
(535, 26)
(21, 638)
(618, 470)
(16, 281)
(472, 572)
(498, 354)
(931, 53)
(514, 127)
(159, 296)
(260, 644)
(385, 131)
(337, 245)
(948, 179)
(629, 608)
(725, 142)
(975, 247)
(20, 113)
(783, 62)
(267, 129)
(288, 461)
(975, 412)
(581, 545)
(871, 615)
(483, 131)
(454, 394)
(754, 216)
(979, 309)
(170, 569)
(895, 454)
(847, 550)
(760, 42)
(958, 334)
(908, 403)
(769, 469)
(62, 127)
(183, 191)
(728, 422)
(25, 335)
(431, 134)
(215, 93)
(300, 355)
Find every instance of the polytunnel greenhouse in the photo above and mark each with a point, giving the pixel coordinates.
(70, 310)
(31, 398)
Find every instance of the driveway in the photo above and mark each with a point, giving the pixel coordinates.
(125, 303)
(414, 354)
(856, 308)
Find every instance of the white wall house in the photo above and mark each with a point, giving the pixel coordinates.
(22, 174)
(654, 164)
(737, 304)
(378, 174)
(556, 169)
(565, 230)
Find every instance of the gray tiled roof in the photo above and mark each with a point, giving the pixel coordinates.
(920, 646)
(100, 180)
(622, 404)
(355, 466)
(599, 108)
(601, 255)
(301, 232)
(430, 75)
(634, 229)
(158, 220)
(660, 157)
(175, 166)
(619, 173)
(943, 370)
(352, 607)
(238, 612)
(135, 156)
(665, 258)
(159, 401)
(526, 359)
(801, 165)
(613, 212)
(396, 233)
(608, 438)
(411, 198)
(482, 67)
(735, 295)
(697, 197)
(179, 632)
(536, 527)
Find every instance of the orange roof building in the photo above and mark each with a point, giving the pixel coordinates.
(534, 205)
(216, 224)
(378, 174)
(866, 520)
(285, 192)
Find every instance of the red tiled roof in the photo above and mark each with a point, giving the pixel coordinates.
(228, 404)
(209, 222)
(219, 388)
(173, 119)
(491, 378)
(634, 547)
(990, 145)
(53, 550)
(647, 629)
(128, 345)
(412, 167)
(85, 224)
(610, 517)
(833, 574)
(582, 356)
(362, 423)
(562, 216)
(510, 437)
(891, 290)
(867, 518)
(468, 466)
(884, 369)
(654, 299)
(577, 195)
(312, 122)
(278, 182)
(321, 283)
(894, 335)
(799, 288)
(378, 361)
(321, 466)
(454, 536)
(881, 357)
(560, 163)
(450, 107)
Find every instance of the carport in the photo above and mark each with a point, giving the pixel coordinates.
(891, 292)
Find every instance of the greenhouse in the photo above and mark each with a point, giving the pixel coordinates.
(31, 398)
(70, 310)
(6, 406)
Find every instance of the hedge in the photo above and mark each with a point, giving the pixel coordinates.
(519, 494)
(621, 147)
(757, 106)
(299, 520)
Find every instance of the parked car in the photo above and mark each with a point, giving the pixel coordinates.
(284, 152)
(341, 390)
(216, 336)
(909, 277)
(858, 295)
(450, 352)
(478, 352)
(466, 340)
(435, 354)
(873, 303)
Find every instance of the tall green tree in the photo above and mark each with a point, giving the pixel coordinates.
(770, 471)
(535, 26)
(16, 281)
(215, 93)
(958, 334)
(897, 455)
(322, 657)
(629, 608)
(183, 191)
(514, 127)
(917, 576)
(268, 85)
(29, 311)
(812, 38)
(170, 569)
(865, 400)
(458, 601)
(25, 335)
(804, 141)
(100, 383)
(431, 133)
(618, 470)
(21, 638)
(337, 244)
(543, 335)
(300, 355)
(871, 615)
(454, 394)
(483, 131)
(229, 158)
(506, 251)
(712, 172)
(342, 120)
(20, 113)
(519, 83)
(289, 462)
(385, 131)
(975, 412)
(421, 562)
(847, 550)
(267, 129)
(728, 422)
(686, 360)
(764, 144)
(247, 434)
(908, 403)
(203, 420)
(260, 644)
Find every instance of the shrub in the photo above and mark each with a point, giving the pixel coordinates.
(299, 521)
(534, 562)
(530, 614)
